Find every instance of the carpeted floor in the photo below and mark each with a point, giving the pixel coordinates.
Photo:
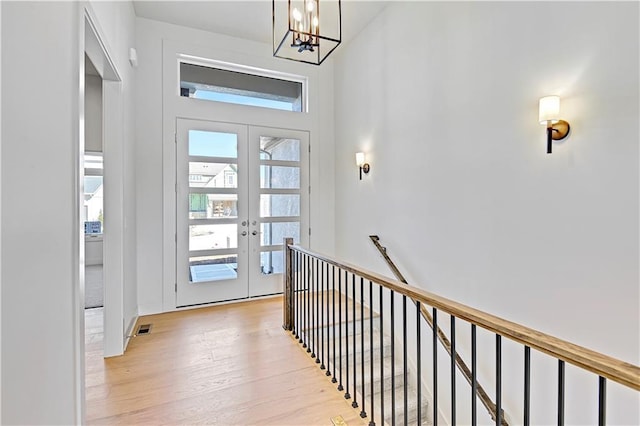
(93, 287)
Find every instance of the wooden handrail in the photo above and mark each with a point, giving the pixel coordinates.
(587, 359)
(462, 366)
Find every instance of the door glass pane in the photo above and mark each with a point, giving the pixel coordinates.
(281, 149)
(213, 175)
(275, 205)
(278, 177)
(210, 237)
(213, 144)
(213, 206)
(274, 233)
(213, 268)
(271, 262)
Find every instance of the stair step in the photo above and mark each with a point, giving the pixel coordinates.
(399, 397)
(345, 324)
(347, 337)
(398, 375)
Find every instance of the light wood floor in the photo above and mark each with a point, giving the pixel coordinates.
(227, 365)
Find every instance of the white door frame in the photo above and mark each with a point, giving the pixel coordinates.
(113, 174)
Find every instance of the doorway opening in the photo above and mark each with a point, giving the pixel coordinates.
(93, 189)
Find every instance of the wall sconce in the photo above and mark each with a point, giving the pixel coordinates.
(549, 115)
(360, 162)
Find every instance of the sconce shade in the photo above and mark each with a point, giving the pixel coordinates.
(549, 115)
(549, 110)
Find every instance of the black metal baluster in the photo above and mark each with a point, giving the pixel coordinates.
(527, 386)
(309, 305)
(297, 294)
(322, 323)
(298, 297)
(435, 366)
(498, 380)
(340, 387)
(312, 286)
(328, 372)
(318, 327)
(333, 326)
(405, 385)
(363, 413)
(381, 358)
(560, 392)
(292, 257)
(347, 395)
(393, 360)
(602, 401)
(474, 381)
(453, 370)
(419, 362)
(354, 404)
(371, 422)
(296, 313)
(305, 313)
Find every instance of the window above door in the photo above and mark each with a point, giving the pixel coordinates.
(237, 85)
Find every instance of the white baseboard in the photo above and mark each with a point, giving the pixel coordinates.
(129, 331)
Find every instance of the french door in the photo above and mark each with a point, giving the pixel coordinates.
(240, 190)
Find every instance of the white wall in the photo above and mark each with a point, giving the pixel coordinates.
(93, 250)
(153, 269)
(443, 99)
(39, 141)
(42, 338)
(93, 113)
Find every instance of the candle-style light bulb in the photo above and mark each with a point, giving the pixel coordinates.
(297, 16)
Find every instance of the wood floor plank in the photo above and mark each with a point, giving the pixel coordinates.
(229, 365)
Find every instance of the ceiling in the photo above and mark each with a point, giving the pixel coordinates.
(249, 20)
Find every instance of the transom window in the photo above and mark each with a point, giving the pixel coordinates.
(222, 85)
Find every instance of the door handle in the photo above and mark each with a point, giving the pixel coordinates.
(244, 233)
(245, 223)
(254, 233)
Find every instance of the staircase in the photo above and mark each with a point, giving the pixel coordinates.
(370, 346)
(337, 331)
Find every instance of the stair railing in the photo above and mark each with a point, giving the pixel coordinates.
(442, 337)
(331, 305)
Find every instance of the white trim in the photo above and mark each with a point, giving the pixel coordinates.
(129, 331)
(101, 55)
(77, 236)
(0, 213)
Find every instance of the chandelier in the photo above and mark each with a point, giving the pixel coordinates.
(306, 30)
